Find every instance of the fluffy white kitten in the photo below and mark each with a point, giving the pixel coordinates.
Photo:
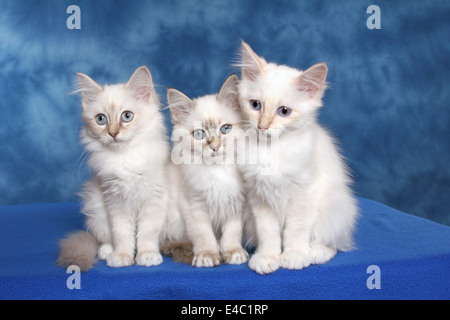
(125, 201)
(301, 209)
(205, 177)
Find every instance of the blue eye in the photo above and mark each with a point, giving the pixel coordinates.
(198, 134)
(101, 119)
(226, 128)
(284, 111)
(127, 116)
(255, 105)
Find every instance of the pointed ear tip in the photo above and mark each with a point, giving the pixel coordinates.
(169, 93)
(86, 81)
(322, 65)
(141, 77)
(142, 69)
(245, 46)
(171, 90)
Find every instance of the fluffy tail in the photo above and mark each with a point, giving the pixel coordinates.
(180, 251)
(80, 249)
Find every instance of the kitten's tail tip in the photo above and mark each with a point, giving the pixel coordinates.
(179, 251)
(80, 249)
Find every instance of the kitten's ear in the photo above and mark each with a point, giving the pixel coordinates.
(229, 94)
(251, 65)
(89, 88)
(141, 84)
(312, 81)
(180, 105)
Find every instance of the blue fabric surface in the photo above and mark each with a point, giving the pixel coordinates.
(388, 102)
(413, 255)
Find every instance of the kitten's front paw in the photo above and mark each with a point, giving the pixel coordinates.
(148, 259)
(117, 260)
(237, 256)
(321, 254)
(264, 263)
(206, 259)
(294, 260)
(104, 251)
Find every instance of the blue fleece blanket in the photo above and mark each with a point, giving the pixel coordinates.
(399, 256)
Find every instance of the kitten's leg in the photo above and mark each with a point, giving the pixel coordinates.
(321, 253)
(231, 242)
(123, 236)
(149, 227)
(98, 226)
(328, 236)
(199, 229)
(97, 222)
(266, 258)
(105, 250)
(296, 239)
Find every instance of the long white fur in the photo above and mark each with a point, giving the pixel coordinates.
(125, 201)
(301, 210)
(210, 194)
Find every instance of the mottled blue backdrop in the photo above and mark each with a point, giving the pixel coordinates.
(388, 101)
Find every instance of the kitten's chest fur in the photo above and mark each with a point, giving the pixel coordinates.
(128, 175)
(280, 169)
(216, 187)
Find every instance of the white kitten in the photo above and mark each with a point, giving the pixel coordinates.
(210, 189)
(125, 201)
(301, 209)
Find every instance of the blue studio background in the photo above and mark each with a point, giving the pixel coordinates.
(388, 102)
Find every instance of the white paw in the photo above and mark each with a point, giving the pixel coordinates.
(117, 260)
(206, 260)
(148, 259)
(321, 254)
(104, 251)
(263, 263)
(294, 260)
(237, 256)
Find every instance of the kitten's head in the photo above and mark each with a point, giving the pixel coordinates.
(115, 114)
(206, 128)
(275, 98)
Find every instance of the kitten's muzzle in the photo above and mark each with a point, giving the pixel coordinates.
(113, 134)
(264, 123)
(214, 144)
(113, 131)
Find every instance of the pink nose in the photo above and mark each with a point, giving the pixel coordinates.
(113, 134)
